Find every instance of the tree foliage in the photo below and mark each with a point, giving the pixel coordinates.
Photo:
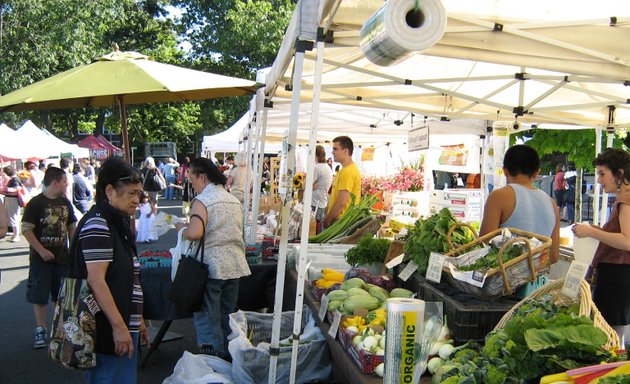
(40, 38)
(578, 145)
(233, 38)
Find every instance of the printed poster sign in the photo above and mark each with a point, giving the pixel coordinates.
(418, 139)
(453, 155)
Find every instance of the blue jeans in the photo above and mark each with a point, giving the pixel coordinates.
(113, 369)
(169, 193)
(212, 322)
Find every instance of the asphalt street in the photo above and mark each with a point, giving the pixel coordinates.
(20, 363)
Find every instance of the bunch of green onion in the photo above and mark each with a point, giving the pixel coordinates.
(354, 214)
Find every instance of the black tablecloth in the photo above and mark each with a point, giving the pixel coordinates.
(255, 291)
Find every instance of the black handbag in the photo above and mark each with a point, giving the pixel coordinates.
(188, 286)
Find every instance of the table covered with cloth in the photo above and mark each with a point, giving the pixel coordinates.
(256, 291)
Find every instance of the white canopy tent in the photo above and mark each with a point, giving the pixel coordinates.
(9, 150)
(231, 140)
(43, 144)
(540, 63)
(547, 62)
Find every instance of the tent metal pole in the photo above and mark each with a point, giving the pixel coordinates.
(257, 179)
(306, 214)
(544, 95)
(544, 39)
(603, 216)
(274, 351)
(596, 188)
(124, 131)
(495, 92)
(248, 178)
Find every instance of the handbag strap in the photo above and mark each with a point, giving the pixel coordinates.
(201, 246)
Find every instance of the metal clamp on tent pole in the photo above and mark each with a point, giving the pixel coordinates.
(274, 351)
(328, 37)
(303, 46)
(268, 103)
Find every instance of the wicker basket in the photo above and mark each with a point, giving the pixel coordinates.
(586, 308)
(507, 276)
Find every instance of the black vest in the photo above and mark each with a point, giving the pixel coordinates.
(119, 275)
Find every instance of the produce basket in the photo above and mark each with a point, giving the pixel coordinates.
(509, 275)
(366, 361)
(586, 308)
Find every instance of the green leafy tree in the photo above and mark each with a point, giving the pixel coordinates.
(578, 145)
(233, 38)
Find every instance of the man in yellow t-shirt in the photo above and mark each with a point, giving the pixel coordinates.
(346, 182)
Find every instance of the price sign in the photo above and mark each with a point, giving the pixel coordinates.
(323, 308)
(434, 270)
(409, 269)
(576, 273)
(332, 332)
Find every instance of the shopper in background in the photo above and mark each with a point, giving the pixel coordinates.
(521, 205)
(221, 214)
(611, 263)
(322, 181)
(81, 190)
(570, 178)
(4, 220)
(48, 224)
(171, 178)
(149, 173)
(67, 165)
(559, 188)
(10, 192)
(347, 182)
(105, 241)
(237, 177)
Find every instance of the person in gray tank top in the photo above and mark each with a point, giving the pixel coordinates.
(521, 205)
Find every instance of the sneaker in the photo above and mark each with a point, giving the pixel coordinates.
(40, 338)
(206, 349)
(15, 239)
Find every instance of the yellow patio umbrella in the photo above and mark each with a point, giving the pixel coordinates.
(123, 78)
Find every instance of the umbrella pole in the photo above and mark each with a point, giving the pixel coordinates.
(123, 121)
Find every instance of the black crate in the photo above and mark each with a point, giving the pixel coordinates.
(468, 317)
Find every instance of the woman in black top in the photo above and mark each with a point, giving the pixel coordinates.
(108, 247)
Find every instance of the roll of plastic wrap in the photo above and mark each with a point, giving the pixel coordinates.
(398, 29)
(405, 318)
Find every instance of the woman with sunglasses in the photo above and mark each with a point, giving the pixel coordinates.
(105, 242)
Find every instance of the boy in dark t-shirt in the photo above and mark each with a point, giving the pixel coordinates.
(47, 224)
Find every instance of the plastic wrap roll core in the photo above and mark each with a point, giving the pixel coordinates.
(398, 29)
(405, 320)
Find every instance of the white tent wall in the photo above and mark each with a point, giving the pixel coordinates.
(43, 144)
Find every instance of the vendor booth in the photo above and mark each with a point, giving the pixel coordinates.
(543, 65)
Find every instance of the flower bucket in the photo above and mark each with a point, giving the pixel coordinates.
(379, 204)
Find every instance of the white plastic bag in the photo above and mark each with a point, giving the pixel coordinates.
(249, 347)
(200, 369)
(182, 247)
(163, 222)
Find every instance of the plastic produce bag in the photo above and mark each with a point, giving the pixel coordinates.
(249, 347)
(163, 222)
(200, 369)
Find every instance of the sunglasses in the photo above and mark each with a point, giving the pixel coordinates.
(132, 179)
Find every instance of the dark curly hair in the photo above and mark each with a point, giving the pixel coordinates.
(521, 160)
(617, 160)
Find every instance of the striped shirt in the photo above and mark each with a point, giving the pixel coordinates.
(96, 242)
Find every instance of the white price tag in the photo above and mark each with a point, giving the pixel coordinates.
(395, 261)
(323, 308)
(409, 269)
(334, 327)
(576, 273)
(434, 270)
